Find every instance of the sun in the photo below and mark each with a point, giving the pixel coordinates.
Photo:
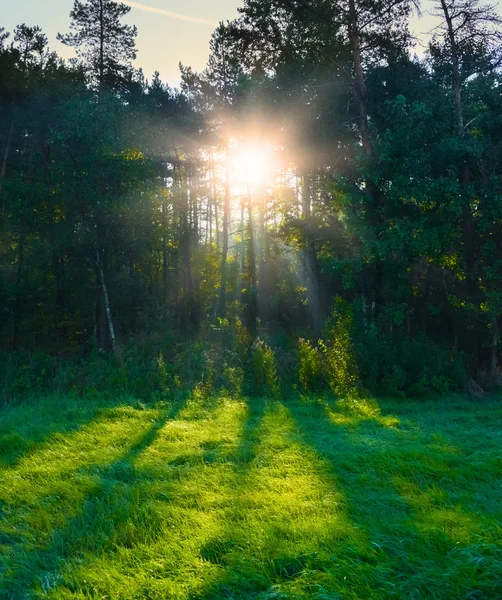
(251, 165)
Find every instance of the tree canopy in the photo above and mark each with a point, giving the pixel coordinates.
(316, 179)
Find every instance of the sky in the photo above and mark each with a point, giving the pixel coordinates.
(163, 39)
(169, 31)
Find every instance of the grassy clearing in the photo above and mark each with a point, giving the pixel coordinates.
(261, 499)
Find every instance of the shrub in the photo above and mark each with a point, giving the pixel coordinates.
(232, 380)
(340, 358)
(266, 380)
(310, 368)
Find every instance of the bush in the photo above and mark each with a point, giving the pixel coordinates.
(397, 365)
(310, 367)
(24, 373)
(341, 364)
(232, 380)
(352, 353)
(264, 364)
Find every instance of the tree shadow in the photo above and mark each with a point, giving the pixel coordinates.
(22, 434)
(104, 505)
(425, 534)
(250, 438)
(278, 501)
(178, 511)
(286, 522)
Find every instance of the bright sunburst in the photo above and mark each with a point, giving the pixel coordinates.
(251, 166)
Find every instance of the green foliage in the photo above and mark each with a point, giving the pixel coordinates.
(116, 205)
(163, 377)
(340, 360)
(397, 365)
(264, 373)
(310, 366)
(233, 380)
(24, 373)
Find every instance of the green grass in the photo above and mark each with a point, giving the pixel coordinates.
(223, 498)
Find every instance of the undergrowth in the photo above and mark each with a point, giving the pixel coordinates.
(348, 359)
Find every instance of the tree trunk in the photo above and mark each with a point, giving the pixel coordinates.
(165, 262)
(252, 291)
(194, 210)
(3, 171)
(376, 211)
(101, 65)
(215, 203)
(226, 223)
(310, 258)
(187, 251)
(494, 348)
(58, 269)
(18, 296)
(468, 233)
(243, 253)
(106, 300)
(360, 85)
(263, 275)
(467, 221)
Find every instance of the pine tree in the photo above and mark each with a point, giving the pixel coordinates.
(104, 45)
(31, 43)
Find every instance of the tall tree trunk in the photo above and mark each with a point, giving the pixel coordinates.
(310, 258)
(210, 219)
(263, 274)
(457, 81)
(467, 222)
(165, 262)
(208, 236)
(59, 272)
(243, 253)
(187, 251)
(101, 65)
(252, 291)
(468, 232)
(3, 171)
(494, 347)
(226, 224)
(359, 85)
(215, 202)
(376, 212)
(106, 303)
(194, 184)
(18, 296)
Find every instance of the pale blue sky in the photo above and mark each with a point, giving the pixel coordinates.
(162, 42)
(163, 39)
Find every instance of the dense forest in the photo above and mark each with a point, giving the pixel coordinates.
(250, 333)
(319, 208)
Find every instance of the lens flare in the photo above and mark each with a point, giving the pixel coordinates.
(251, 166)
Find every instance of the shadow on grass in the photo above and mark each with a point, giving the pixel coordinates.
(410, 538)
(250, 439)
(35, 566)
(286, 534)
(404, 487)
(178, 490)
(28, 427)
(216, 549)
(266, 500)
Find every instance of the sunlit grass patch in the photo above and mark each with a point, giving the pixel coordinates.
(253, 498)
(354, 411)
(26, 426)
